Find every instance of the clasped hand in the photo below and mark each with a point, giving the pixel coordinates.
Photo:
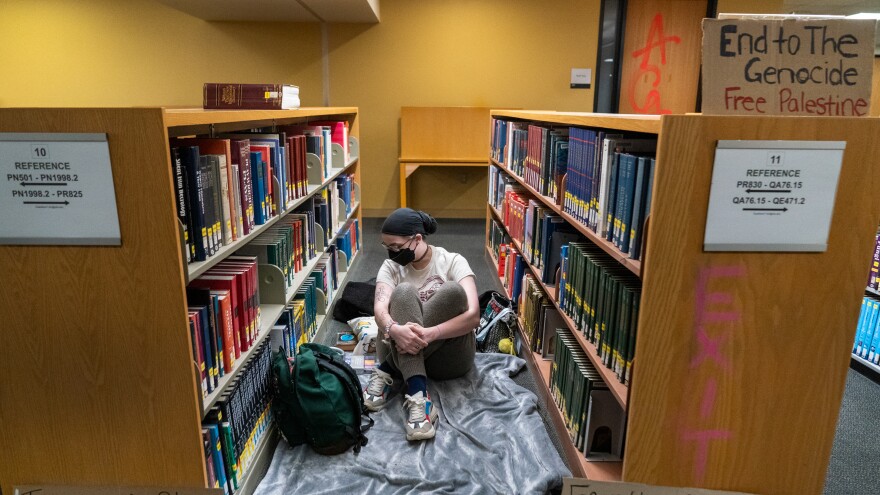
(411, 338)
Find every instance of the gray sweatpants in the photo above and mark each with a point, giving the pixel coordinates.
(442, 359)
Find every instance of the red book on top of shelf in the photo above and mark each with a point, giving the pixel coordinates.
(232, 96)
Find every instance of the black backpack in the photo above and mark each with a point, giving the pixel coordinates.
(318, 401)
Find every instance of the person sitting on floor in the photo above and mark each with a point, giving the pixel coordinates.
(426, 308)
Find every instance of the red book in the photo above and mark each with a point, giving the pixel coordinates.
(238, 275)
(220, 280)
(230, 96)
(226, 327)
(249, 264)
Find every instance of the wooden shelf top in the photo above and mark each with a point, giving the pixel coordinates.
(177, 117)
(434, 160)
(635, 266)
(625, 122)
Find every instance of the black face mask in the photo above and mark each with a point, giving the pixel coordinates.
(402, 257)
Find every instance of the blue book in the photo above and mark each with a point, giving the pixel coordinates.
(860, 328)
(640, 214)
(653, 167)
(217, 456)
(257, 178)
(559, 239)
(873, 344)
(189, 160)
(628, 202)
(870, 328)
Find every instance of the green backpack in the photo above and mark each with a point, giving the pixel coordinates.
(318, 400)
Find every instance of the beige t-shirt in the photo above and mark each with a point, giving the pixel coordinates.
(443, 266)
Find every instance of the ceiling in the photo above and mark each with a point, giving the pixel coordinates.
(357, 11)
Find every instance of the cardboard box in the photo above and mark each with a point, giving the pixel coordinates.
(772, 65)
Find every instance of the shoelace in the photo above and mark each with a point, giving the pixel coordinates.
(377, 384)
(416, 406)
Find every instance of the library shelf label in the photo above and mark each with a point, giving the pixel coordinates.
(111, 490)
(582, 486)
(772, 195)
(57, 189)
(756, 65)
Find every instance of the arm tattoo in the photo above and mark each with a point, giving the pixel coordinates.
(382, 294)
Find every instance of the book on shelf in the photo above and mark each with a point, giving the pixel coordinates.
(533, 298)
(236, 96)
(224, 316)
(602, 298)
(216, 183)
(867, 341)
(874, 272)
(607, 177)
(318, 141)
(238, 421)
(339, 131)
(497, 238)
(593, 418)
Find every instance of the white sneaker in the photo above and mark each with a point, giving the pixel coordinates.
(377, 389)
(421, 416)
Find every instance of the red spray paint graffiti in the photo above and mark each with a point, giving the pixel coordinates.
(657, 40)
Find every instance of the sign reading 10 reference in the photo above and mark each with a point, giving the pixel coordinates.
(772, 195)
(57, 189)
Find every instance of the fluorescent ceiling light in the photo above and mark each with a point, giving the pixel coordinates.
(865, 15)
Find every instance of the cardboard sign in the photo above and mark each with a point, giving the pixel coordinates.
(790, 66)
(581, 486)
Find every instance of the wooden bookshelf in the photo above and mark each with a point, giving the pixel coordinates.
(129, 395)
(723, 409)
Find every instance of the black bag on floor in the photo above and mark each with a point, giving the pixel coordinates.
(497, 323)
(356, 300)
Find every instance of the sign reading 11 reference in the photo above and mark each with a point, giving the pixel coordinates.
(772, 195)
(57, 189)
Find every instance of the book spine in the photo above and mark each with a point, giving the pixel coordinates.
(190, 161)
(226, 201)
(206, 190)
(180, 196)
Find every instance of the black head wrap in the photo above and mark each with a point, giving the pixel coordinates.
(407, 222)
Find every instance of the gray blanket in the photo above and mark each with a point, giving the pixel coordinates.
(490, 439)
